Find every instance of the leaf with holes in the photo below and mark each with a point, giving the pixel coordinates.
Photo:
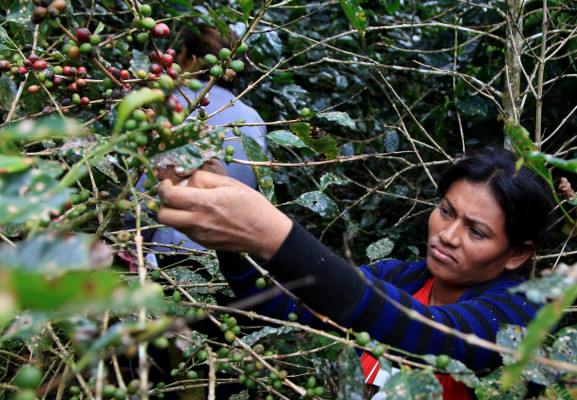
(342, 118)
(190, 147)
(490, 388)
(43, 128)
(457, 369)
(266, 331)
(325, 145)
(332, 179)
(319, 203)
(547, 288)
(407, 384)
(547, 317)
(565, 346)
(189, 280)
(351, 378)
(380, 249)
(54, 254)
(32, 194)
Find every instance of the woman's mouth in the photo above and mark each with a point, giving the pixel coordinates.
(442, 255)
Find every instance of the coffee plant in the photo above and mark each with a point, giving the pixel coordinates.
(364, 103)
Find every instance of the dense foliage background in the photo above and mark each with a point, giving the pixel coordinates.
(365, 102)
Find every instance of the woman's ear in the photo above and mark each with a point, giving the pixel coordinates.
(186, 64)
(519, 254)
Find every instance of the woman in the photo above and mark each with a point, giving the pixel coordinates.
(481, 237)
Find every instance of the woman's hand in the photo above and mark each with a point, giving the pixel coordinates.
(222, 213)
(177, 174)
(565, 189)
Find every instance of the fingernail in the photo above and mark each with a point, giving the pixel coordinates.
(183, 183)
(178, 169)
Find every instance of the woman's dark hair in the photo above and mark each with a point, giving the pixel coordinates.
(525, 197)
(202, 39)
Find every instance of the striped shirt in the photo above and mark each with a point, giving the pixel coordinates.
(341, 292)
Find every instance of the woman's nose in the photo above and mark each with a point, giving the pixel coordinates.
(450, 235)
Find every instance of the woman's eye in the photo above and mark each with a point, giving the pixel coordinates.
(444, 210)
(476, 233)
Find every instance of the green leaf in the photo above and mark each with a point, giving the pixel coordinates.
(139, 61)
(325, 145)
(332, 179)
(380, 249)
(210, 262)
(266, 331)
(565, 346)
(20, 12)
(38, 292)
(526, 149)
(190, 147)
(263, 174)
(5, 43)
(30, 130)
(32, 194)
(319, 203)
(183, 3)
(186, 276)
(247, 6)
(535, 156)
(547, 288)
(411, 384)
(99, 28)
(392, 5)
(220, 25)
(106, 167)
(25, 324)
(11, 164)
(457, 369)
(441, 112)
(537, 331)
(511, 336)
(54, 270)
(133, 101)
(472, 105)
(355, 14)
(341, 118)
(54, 254)
(351, 379)
(286, 138)
(490, 388)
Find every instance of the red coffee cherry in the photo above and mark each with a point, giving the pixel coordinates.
(83, 35)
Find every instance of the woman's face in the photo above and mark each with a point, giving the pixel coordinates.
(468, 243)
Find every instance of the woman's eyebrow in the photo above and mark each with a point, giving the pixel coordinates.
(469, 220)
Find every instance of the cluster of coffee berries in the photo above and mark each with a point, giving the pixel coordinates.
(85, 43)
(218, 63)
(85, 201)
(20, 65)
(148, 25)
(160, 62)
(46, 9)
